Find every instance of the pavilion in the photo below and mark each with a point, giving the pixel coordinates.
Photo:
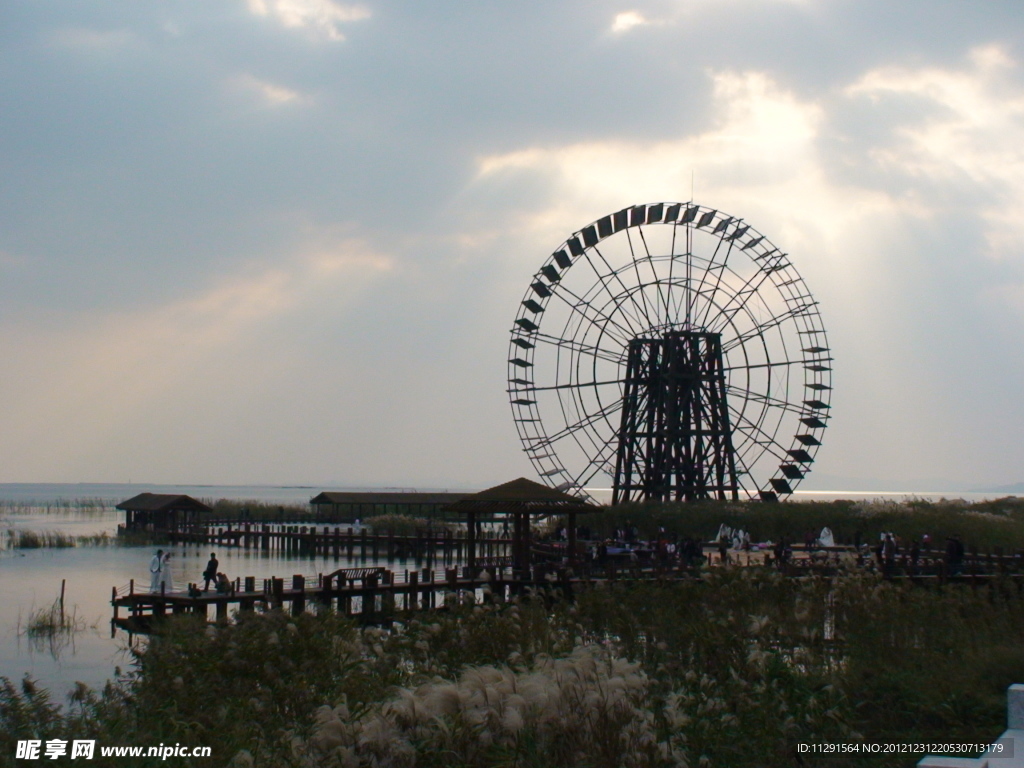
(520, 499)
(161, 511)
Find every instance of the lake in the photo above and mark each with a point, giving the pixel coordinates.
(30, 579)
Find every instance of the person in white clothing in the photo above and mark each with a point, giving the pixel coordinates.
(166, 579)
(155, 567)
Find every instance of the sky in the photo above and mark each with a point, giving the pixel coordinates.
(284, 241)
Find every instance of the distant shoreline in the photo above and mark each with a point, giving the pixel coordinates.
(301, 494)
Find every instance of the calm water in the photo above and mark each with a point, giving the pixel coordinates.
(31, 579)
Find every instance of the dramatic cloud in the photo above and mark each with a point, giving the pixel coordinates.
(284, 240)
(323, 17)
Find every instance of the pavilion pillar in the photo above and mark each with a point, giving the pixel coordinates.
(518, 548)
(471, 543)
(572, 538)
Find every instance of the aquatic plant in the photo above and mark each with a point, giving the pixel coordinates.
(589, 708)
(26, 712)
(731, 670)
(256, 510)
(78, 506)
(21, 539)
(401, 525)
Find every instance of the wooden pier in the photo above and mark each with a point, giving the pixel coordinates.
(370, 594)
(311, 540)
(378, 595)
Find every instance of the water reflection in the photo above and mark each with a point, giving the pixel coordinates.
(30, 579)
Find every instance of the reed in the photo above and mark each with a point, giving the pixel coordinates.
(52, 621)
(401, 525)
(21, 539)
(53, 629)
(258, 511)
(79, 506)
(731, 670)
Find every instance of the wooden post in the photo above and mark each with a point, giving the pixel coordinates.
(370, 596)
(471, 542)
(299, 602)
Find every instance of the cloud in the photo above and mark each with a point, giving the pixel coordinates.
(116, 379)
(322, 17)
(971, 134)
(271, 94)
(761, 155)
(686, 11)
(627, 20)
(769, 155)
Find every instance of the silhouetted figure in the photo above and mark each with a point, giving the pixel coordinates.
(223, 584)
(210, 574)
(888, 554)
(954, 555)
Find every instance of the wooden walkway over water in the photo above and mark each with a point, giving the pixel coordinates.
(377, 594)
(366, 593)
(440, 542)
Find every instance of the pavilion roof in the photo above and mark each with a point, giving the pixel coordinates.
(385, 497)
(162, 502)
(522, 495)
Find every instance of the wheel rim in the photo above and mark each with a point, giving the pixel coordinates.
(656, 268)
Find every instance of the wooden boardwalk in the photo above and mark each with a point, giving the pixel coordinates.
(377, 595)
(367, 593)
(427, 543)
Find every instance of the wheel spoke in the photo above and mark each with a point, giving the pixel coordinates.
(574, 385)
(642, 318)
(772, 402)
(583, 349)
(774, 322)
(743, 311)
(610, 322)
(586, 421)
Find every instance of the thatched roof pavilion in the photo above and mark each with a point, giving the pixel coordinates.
(160, 511)
(520, 499)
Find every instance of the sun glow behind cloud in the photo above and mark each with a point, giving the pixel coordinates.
(117, 368)
(322, 17)
(270, 94)
(627, 20)
(178, 154)
(766, 158)
(976, 137)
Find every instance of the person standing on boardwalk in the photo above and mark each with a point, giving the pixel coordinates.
(210, 574)
(166, 579)
(155, 567)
